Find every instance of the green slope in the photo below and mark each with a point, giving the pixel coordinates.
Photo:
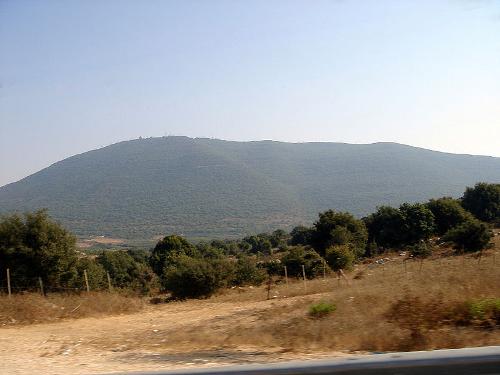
(212, 188)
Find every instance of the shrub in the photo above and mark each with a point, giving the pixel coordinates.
(298, 256)
(483, 201)
(485, 312)
(470, 236)
(418, 223)
(339, 228)
(448, 213)
(33, 246)
(190, 277)
(301, 235)
(321, 309)
(384, 227)
(246, 272)
(168, 248)
(339, 257)
(420, 250)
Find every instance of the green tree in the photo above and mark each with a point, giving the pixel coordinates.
(166, 249)
(298, 256)
(483, 201)
(418, 222)
(190, 277)
(339, 228)
(339, 257)
(278, 238)
(122, 268)
(472, 235)
(259, 243)
(33, 246)
(385, 227)
(301, 235)
(448, 213)
(247, 272)
(96, 274)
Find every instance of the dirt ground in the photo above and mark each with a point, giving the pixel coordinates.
(97, 345)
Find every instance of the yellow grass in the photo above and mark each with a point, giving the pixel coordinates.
(33, 308)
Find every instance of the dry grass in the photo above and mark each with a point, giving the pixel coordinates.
(33, 308)
(362, 321)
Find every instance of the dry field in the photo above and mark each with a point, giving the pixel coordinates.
(241, 326)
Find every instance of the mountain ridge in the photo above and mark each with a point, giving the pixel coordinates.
(204, 187)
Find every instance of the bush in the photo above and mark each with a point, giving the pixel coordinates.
(339, 257)
(420, 250)
(321, 309)
(484, 312)
(298, 256)
(168, 248)
(33, 246)
(483, 201)
(418, 223)
(384, 227)
(469, 236)
(339, 228)
(448, 213)
(190, 277)
(301, 235)
(247, 273)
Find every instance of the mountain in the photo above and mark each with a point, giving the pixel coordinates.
(213, 188)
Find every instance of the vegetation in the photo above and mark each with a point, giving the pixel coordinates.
(205, 188)
(321, 309)
(472, 235)
(340, 257)
(33, 246)
(189, 277)
(483, 200)
(448, 213)
(339, 228)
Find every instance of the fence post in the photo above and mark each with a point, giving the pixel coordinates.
(269, 281)
(109, 282)
(86, 280)
(324, 269)
(40, 281)
(304, 276)
(8, 282)
(286, 276)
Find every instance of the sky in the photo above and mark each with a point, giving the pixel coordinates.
(79, 75)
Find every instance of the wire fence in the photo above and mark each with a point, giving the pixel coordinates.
(18, 285)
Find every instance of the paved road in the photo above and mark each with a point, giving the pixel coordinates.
(485, 360)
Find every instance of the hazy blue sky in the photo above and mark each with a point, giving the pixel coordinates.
(77, 75)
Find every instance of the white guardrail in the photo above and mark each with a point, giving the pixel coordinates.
(484, 360)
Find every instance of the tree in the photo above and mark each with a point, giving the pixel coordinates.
(298, 256)
(418, 222)
(33, 246)
(384, 227)
(301, 235)
(339, 257)
(166, 249)
(190, 277)
(122, 268)
(483, 201)
(96, 274)
(472, 235)
(259, 243)
(278, 238)
(339, 228)
(247, 272)
(448, 213)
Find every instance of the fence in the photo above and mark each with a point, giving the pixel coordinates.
(10, 285)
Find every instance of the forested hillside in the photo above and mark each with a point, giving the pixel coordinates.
(214, 188)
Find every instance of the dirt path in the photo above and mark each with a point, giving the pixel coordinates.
(135, 342)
